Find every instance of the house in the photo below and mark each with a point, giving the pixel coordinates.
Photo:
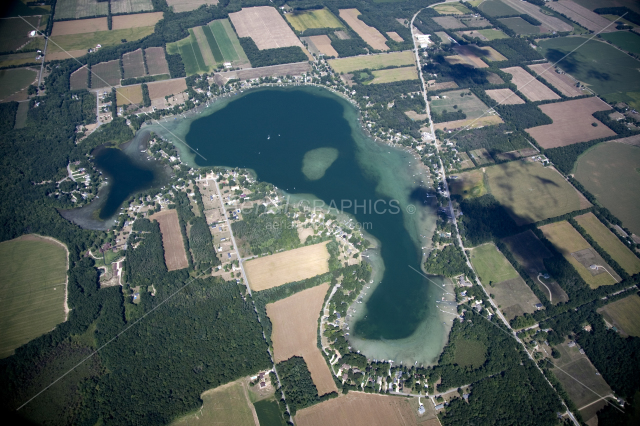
(571, 344)
(538, 306)
(439, 407)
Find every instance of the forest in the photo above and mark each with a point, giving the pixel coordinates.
(495, 139)
(297, 384)
(448, 262)
(266, 232)
(266, 57)
(484, 220)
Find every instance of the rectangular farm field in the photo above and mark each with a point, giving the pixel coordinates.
(133, 64)
(79, 79)
(105, 74)
(131, 95)
(156, 61)
(74, 9)
(136, 20)
(372, 62)
(174, 253)
(558, 79)
(370, 35)
(130, 6)
(624, 314)
(316, 18)
(394, 74)
(481, 157)
(529, 86)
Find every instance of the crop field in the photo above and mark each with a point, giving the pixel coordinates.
(90, 40)
(481, 157)
(14, 32)
(130, 6)
(452, 9)
(520, 26)
(174, 254)
(625, 40)
(228, 42)
(288, 266)
(504, 96)
(394, 36)
(269, 413)
(394, 74)
(624, 314)
(491, 265)
(79, 26)
(529, 86)
(105, 74)
(156, 61)
(469, 104)
(583, 16)
(369, 34)
(467, 59)
(609, 242)
(609, 172)
(133, 64)
(131, 95)
(265, 26)
(361, 409)
(295, 332)
(160, 89)
(135, 21)
(550, 23)
(495, 8)
(322, 45)
(15, 80)
(571, 244)
(529, 252)
(58, 56)
(74, 9)
(469, 184)
(78, 79)
(563, 82)
(487, 120)
(572, 123)
(317, 18)
(15, 59)
(577, 365)
(465, 161)
(514, 297)
(225, 405)
(531, 192)
(372, 62)
(472, 21)
(187, 5)
(609, 72)
(32, 289)
(449, 22)
(485, 35)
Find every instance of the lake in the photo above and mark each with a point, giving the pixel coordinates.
(309, 143)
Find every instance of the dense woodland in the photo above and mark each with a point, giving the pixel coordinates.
(266, 232)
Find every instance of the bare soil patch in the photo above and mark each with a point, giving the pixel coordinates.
(160, 89)
(323, 44)
(135, 21)
(395, 36)
(504, 96)
(156, 61)
(295, 332)
(187, 5)
(174, 255)
(563, 82)
(288, 266)
(370, 35)
(360, 409)
(265, 26)
(572, 123)
(487, 120)
(529, 86)
(79, 26)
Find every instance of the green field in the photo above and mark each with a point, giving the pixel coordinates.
(452, 9)
(32, 290)
(481, 157)
(372, 62)
(495, 8)
(228, 42)
(624, 314)
(269, 413)
(224, 405)
(609, 242)
(319, 18)
(394, 74)
(491, 265)
(532, 192)
(625, 40)
(520, 26)
(89, 40)
(13, 80)
(609, 72)
(610, 172)
(492, 34)
(73, 9)
(470, 353)
(15, 59)
(469, 104)
(468, 184)
(21, 115)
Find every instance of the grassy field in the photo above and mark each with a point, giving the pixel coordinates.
(492, 34)
(469, 184)
(609, 172)
(288, 266)
(32, 289)
(318, 18)
(469, 353)
(228, 42)
(21, 115)
(624, 314)
(610, 243)
(625, 40)
(394, 74)
(495, 8)
(269, 413)
(584, 386)
(520, 26)
(452, 9)
(608, 71)
(532, 192)
(372, 62)
(224, 405)
(514, 298)
(130, 95)
(469, 104)
(14, 80)
(491, 265)
(481, 157)
(90, 40)
(15, 59)
(567, 241)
